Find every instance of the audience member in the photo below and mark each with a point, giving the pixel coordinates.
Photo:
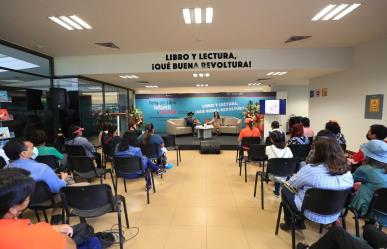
(191, 121)
(372, 175)
(249, 130)
(215, 121)
(104, 131)
(328, 169)
(19, 152)
(376, 131)
(278, 150)
(76, 133)
(110, 140)
(133, 127)
(274, 127)
(149, 137)
(39, 139)
(334, 127)
(324, 134)
(297, 135)
(16, 188)
(338, 238)
(308, 132)
(127, 147)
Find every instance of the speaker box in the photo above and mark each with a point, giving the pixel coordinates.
(34, 100)
(58, 98)
(209, 147)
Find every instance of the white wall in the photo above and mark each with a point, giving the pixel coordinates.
(347, 90)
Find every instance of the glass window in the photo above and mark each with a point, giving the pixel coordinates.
(116, 101)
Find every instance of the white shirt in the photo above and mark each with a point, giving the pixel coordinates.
(273, 152)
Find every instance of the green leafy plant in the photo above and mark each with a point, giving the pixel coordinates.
(251, 108)
(137, 115)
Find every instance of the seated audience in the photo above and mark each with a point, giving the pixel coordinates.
(249, 130)
(127, 147)
(19, 152)
(308, 132)
(324, 134)
(149, 137)
(338, 238)
(192, 122)
(372, 175)
(378, 132)
(133, 126)
(16, 188)
(104, 131)
(76, 133)
(297, 135)
(274, 127)
(328, 169)
(110, 140)
(334, 127)
(278, 150)
(215, 121)
(39, 139)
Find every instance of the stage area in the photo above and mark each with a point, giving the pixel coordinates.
(227, 142)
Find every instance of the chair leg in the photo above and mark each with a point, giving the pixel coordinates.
(245, 171)
(101, 178)
(153, 182)
(116, 185)
(279, 217)
(237, 156)
(356, 223)
(262, 194)
(293, 231)
(240, 168)
(45, 215)
(177, 157)
(179, 154)
(321, 228)
(125, 212)
(147, 195)
(111, 175)
(121, 236)
(344, 223)
(255, 185)
(37, 215)
(125, 184)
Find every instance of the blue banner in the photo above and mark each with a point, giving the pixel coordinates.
(158, 109)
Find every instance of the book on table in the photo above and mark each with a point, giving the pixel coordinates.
(4, 115)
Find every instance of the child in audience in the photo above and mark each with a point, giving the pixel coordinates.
(278, 150)
(274, 127)
(297, 135)
(372, 175)
(335, 128)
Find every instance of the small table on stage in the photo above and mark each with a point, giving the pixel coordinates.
(204, 131)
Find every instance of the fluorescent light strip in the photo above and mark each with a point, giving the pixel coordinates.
(201, 75)
(209, 14)
(134, 76)
(347, 11)
(195, 75)
(81, 22)
(70, 22)
(323, 12)
(335, 11)
(282, 73)
(61, 23)
(187, 16)
(123, 76)
(271, 73)
(207, 74)
(198, 15)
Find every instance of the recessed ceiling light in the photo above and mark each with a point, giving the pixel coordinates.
(198, 15)
(282, 73)
(207, 74)
(187, 16)
(335, 11)
(201, 75)
(70, 23)
(197, 85)
(209, 14)
(195, 75)
(194, 15)
(206, 85)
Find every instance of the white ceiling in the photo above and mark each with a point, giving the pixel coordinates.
(158, 26)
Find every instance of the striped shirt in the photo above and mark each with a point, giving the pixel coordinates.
(298, 140)
(317, 176)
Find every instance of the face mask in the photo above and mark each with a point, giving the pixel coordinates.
(35, 153)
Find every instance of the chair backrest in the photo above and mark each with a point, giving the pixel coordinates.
(129, 164)
(257, 152)
(310, 140)
(378, 202)
(248, 141)
(325, 201)
(88, 197)
(49, 160)
(150, 150)
(75, 150)
(300, 151)
(3, 163)
(82, 164)
(41, 194)
(282, 166)
(169, 141)
(344, 147)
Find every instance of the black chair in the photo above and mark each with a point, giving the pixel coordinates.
(378, 204)
(310, 140)
(128, 165)
(93, 201)
(282, 167)
(244, 146)
(256, 153)
(3, 163)
(170, 144)
(300, 151)
(151, 151)
(49, 160)
(42, 199)
(319, 201)
(83, 166)
(75, 150)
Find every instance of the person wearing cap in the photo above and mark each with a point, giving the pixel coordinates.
(249, 131)
(372, 175)
(76, 133)
(191, 121)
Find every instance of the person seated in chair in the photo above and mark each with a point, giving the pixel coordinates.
(372, 176)
(111, 140)
(328, 169)
(335, 128)
(308, 132)
(127, 147)
(338, 238)
(39, 139)
(297, 135)
(215, 121)
(16, 188)
(76, 133)
(191, 121)
(19, 152)
(274, 127)
(249, 131)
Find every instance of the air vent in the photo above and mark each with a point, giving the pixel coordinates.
(262, 79)
(107, 44)
(297, 38)
(142, 82)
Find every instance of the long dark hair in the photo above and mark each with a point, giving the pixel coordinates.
(328, 151)
(128, 139)
(216, 115)
(149, 129)
(297, 130)
(278, 139)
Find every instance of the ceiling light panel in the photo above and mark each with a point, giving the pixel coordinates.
(335, 12)
(195, 15)
(70, 23)
(276, 73)
(201, 75)
(129, 76)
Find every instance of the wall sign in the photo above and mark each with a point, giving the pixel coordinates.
(374, 106)
(324, 92)
(200, 61)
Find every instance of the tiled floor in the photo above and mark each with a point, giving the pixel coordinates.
(203, 203)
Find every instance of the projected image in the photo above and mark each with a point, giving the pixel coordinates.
(272, 106)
